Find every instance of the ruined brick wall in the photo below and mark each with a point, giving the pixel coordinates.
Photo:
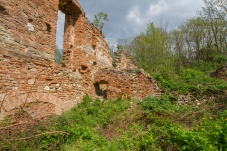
(110, 83)
(123, 61)
(31, 82)
(84, 44)
(29, 78)
(124, 79)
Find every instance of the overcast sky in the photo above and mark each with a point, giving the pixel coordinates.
(128, 18)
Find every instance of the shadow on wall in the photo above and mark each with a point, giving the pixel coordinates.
(101, 88)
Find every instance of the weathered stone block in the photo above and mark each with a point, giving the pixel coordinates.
(47, 88)
(31, 81)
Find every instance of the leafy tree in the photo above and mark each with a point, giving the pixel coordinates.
(215, 13)
(100, 20)
(218, 7)
(152, 49)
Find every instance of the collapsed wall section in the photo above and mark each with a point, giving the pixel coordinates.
(84, 45)
(123, 61)
(134, 83)
(85, 49)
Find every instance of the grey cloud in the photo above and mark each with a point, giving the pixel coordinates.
(130, 17)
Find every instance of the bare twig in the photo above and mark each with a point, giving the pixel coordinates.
(29, 92)
(13, 125)
(181, 118)
(8, 142)
(47, 133)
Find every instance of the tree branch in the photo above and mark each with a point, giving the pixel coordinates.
(8, 142)
(12, 125)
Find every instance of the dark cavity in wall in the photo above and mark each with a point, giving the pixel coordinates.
(48, 27)
(101, 88)
(3, 10)
(30, 20)
(59, 36)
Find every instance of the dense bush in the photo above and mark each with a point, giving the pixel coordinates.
(191, 81)
(206, 133)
